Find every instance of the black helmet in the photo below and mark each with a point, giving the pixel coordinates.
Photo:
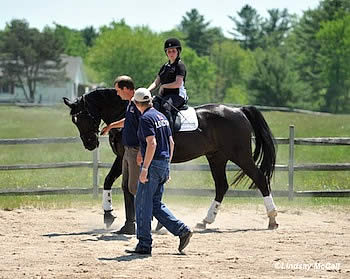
(172, 43)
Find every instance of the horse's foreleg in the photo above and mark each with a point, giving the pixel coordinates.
(211, 215)
(107, 205)
(218, 169)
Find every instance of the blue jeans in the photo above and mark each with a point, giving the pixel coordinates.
(149, 202)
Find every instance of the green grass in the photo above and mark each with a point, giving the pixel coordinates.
(86, 201)
(16, 122)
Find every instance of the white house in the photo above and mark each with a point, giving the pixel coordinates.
(52, 94)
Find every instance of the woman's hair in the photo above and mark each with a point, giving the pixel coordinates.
(124, 81)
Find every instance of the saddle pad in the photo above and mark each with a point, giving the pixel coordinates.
(189, 120)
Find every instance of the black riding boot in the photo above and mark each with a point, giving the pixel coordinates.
(129, 226)
(170, 118)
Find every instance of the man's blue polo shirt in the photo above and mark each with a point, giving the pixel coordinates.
(154, 123)
(131, 123)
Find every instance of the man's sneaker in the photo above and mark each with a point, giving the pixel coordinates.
(128, 228)
(184, 240)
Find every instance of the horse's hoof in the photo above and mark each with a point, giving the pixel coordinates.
(108, 219)
(272, 226)
(201, 225)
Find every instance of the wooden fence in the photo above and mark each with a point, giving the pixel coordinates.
(95, 164)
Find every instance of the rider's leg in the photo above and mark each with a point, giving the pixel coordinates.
(157, 102)
(171, 103)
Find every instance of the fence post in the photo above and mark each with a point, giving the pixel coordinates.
(291, 164)
(95, 180)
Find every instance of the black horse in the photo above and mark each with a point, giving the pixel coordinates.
(224, 134)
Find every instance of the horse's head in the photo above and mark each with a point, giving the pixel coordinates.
(86, 122)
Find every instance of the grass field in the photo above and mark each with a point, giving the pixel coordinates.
(17, 122)
(87, 201)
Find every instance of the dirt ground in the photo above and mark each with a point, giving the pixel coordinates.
(72, 243)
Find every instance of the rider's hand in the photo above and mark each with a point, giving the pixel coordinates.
(161, 89)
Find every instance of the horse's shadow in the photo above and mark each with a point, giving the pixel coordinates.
(99, 234)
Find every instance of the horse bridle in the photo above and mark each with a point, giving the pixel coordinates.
(83, 111)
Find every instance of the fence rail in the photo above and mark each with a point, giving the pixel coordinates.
(95, 164)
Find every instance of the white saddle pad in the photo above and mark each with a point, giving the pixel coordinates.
(189, 120)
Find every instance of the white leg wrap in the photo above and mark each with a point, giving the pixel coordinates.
(107, 200)
(213, 210)
(270, 205)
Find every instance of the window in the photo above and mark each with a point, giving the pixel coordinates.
(7, 87)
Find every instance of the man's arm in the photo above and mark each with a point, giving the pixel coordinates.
(172, 144)
(117, 124)
(150, 150)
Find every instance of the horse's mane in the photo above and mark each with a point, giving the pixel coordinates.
(105, 104)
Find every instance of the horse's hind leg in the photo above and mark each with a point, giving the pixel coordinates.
(217, 165)
(250, 169)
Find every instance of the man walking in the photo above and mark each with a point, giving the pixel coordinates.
(125, 88)
(157, 146)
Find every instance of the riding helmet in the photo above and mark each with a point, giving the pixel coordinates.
(172, 43)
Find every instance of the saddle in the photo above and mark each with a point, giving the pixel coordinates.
(185, 119)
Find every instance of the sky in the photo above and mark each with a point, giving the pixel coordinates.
(159, 15)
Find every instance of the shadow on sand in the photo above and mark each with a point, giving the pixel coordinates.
(99, 234)
(217, 230)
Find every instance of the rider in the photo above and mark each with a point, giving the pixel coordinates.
(171, 78)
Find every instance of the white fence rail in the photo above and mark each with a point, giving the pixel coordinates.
(95, 164)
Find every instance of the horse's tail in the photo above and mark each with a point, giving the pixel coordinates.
(265, 149)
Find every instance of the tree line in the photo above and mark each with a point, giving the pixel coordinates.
(280, 60)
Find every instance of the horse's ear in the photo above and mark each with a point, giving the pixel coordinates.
(67, 102)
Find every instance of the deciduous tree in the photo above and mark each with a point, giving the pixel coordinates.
(274, 82)
(28, 56)
(120, 49)
(334, 38)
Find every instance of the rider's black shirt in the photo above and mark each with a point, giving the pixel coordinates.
(168, 73)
